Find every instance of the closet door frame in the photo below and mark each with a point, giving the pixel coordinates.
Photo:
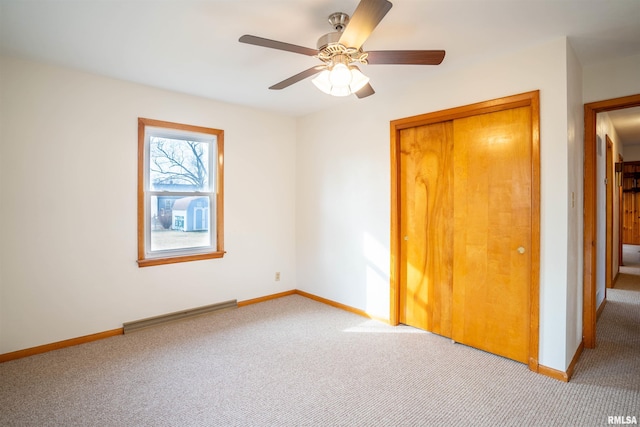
(530, 99)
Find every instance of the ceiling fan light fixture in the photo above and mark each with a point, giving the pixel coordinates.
(340, 91)
(341, 80)
(340, 75)
(322, 82)
(358, 80)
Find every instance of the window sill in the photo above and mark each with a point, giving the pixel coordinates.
(148, 262)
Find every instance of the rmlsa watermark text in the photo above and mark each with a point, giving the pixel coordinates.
(622, 419)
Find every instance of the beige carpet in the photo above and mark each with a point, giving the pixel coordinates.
(629, 282)
(297, 362)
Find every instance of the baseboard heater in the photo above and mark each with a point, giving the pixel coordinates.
(136, 325)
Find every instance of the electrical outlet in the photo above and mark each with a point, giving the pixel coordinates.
(277, 276)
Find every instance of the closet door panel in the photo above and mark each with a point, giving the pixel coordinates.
(426, 227)
(492, 232)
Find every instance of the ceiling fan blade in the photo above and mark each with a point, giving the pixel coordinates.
(366, 17)
(366, 90)
(410, 57)
(260, 41)
(300, 76)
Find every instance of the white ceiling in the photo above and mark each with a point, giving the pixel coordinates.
(192, 46)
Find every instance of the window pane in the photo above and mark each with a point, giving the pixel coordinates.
(178, 165)
(180, 222)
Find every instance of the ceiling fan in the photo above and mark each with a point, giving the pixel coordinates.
(340, 50)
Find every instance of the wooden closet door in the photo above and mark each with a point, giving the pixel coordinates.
(426, 227)
(631, 203)
(492, 232)
(634, 219)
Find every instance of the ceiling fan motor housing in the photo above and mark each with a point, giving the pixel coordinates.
(338, 21)
(330, 51)
(328, 39)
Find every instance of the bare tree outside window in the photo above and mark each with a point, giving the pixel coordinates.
(179, 162)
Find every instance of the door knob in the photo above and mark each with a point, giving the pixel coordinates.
(521, 249)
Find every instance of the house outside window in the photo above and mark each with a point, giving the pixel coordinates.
(180, 192)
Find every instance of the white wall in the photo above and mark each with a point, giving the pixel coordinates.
(68, 192)
(575, 252)
(604, 127)
(343, 194)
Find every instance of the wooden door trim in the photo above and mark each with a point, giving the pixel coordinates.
(500, 104)
(531, 99)
(620, 217)
(608, 215)
(590, 210)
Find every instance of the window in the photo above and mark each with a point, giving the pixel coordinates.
(180, 197)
